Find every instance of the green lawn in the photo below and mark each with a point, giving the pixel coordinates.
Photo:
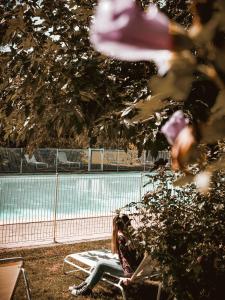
(47, 281)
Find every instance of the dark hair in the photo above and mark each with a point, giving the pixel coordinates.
(122, 222)
(119, 223)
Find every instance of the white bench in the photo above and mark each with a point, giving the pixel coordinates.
(86, 261)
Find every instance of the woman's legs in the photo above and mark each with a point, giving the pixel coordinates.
(103, 266)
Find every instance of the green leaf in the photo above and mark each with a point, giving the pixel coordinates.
(147, 108)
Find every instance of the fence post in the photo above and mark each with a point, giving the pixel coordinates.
(21, 160)
(102, 159)
(89, 159)
(141, 185)
(56, 161)
(117, 167)
(144, 153)
(55, 207)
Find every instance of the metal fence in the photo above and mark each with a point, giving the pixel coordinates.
(16, 160)
(37, 209)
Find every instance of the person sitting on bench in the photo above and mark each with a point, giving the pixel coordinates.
(128, 258)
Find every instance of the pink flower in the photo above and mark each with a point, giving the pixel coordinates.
(183, 138)
(174, 125)
(183, 150)
(122, 30)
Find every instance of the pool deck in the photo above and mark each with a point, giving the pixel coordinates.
(61, 231)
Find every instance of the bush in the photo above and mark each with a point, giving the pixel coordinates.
(185, 232)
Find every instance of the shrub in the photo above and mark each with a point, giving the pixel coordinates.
(185, 232)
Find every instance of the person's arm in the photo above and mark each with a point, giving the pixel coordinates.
(127, 281)
(123, 246)
(127, 256)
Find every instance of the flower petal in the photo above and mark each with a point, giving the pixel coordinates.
(174, 125)
(122, 30)
(202, 181)
(184, 149)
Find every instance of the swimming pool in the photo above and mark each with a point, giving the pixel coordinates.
(36, 198)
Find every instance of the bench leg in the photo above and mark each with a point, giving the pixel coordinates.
(159, 291)
(26, 284)
(75, 268)
(122, 291)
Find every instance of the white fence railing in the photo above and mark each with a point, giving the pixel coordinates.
(16, 160)
(63, 207)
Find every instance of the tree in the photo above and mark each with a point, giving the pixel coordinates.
(55, 89)
(182, 228)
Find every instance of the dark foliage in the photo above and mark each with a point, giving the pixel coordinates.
(185, 232)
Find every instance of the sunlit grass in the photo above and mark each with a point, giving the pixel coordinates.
(44, 268)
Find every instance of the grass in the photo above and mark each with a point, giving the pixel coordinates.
(47, 281)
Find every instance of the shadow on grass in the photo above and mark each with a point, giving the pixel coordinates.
(44, 267)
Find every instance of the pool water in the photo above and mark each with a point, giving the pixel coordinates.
(43, 197)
